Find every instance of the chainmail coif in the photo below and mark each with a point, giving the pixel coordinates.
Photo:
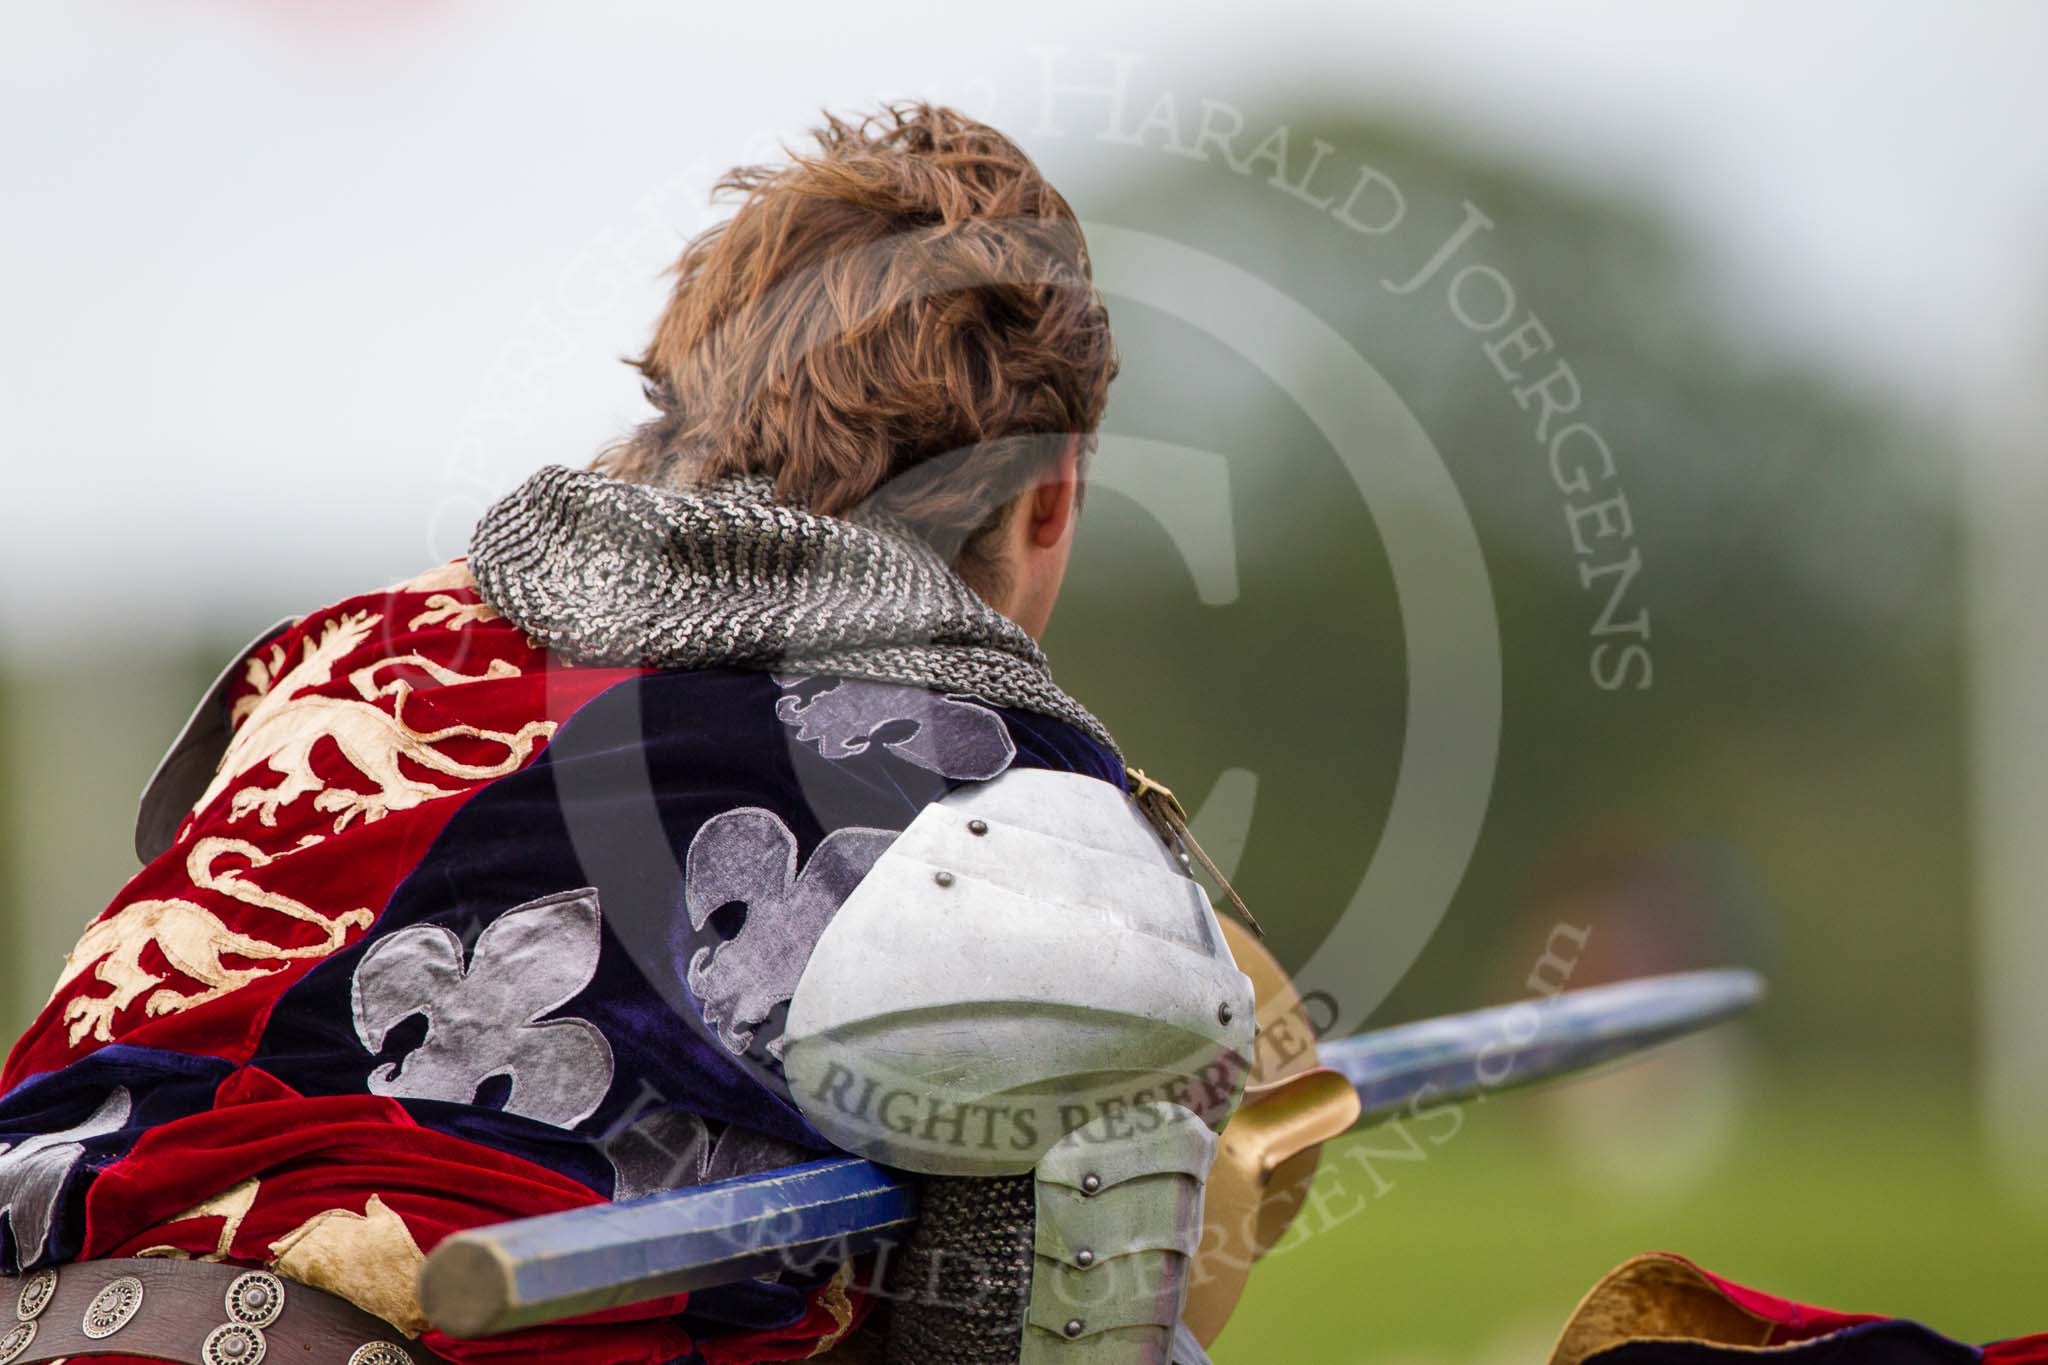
(619, 574)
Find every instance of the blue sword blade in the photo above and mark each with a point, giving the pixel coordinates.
(559, 1265)
(1441, 1061)
(493, 1279)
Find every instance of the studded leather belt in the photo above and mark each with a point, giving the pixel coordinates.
(191, 1312)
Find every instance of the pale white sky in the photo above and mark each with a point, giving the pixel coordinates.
(262, 261)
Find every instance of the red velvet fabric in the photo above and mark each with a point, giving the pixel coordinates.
(1803, 1322)
(1793, 1323)
(335, 1152)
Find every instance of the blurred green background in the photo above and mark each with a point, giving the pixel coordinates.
(1794, 790)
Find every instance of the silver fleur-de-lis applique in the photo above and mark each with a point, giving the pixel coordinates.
(484, 1018)
(748, 858)
(33, 1172)
(948, 735)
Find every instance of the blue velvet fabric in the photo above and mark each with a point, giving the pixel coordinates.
(42, 1168)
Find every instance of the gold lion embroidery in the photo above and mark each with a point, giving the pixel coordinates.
(444, 610)
(282, 726)
(231, 1206)
(192, 939)
(261, 674)
(368, 1258)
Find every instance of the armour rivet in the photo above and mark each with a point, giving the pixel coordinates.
(1090, 1183)
(1084, 1258)
(1075, 1327)
(943, 878)
(977, 826)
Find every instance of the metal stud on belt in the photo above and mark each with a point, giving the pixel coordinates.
(112, 1308)
(231, 1343)
(36, 1292)
(255, 1299)
(253, 1302)
(35, 1296)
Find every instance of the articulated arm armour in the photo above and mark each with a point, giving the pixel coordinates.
(1119, 1207)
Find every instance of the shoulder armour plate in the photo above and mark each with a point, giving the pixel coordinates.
(1026, 958)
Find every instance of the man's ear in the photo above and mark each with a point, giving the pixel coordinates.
(1057, 498)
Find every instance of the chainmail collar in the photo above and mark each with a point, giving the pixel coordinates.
(610, 573)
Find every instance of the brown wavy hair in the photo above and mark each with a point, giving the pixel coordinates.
(904, 317)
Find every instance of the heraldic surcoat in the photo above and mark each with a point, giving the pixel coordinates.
(443, 932)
